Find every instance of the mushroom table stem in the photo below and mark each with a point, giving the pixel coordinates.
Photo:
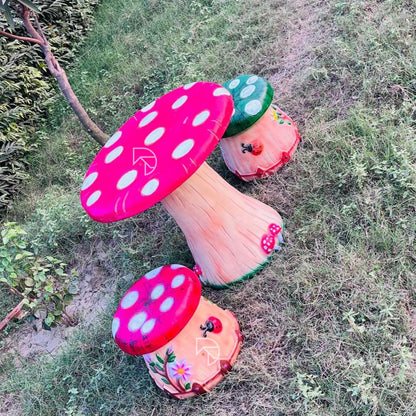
(229, 234)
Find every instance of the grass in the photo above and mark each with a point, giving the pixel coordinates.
(330, 323)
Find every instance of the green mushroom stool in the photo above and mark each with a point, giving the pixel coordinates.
(260, 138)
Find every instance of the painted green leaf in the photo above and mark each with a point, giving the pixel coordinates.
(171, 359)
(165, 381)
(187, 386)
(160, 359)
(159, 367)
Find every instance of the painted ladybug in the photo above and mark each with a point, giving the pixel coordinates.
(257, 148)
(254, 148)
(217, 324)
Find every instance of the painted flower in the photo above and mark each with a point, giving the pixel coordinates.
(181, 370)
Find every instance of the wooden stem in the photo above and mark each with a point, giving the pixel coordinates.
(222, 226)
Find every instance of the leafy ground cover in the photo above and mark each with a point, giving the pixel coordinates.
(330, 324)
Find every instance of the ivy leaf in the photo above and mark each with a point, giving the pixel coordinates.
(30, 5)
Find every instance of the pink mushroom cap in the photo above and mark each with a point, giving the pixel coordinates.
(156, 308)
(155, 151)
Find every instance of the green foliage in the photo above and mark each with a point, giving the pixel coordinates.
(26, 91)
(58, 222)
(42, 281)
(6, 7)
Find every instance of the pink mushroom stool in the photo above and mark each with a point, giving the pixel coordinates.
(260, 138)
(158, 155)
(187, 342)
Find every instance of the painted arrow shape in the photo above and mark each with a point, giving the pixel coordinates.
(211, 348)
(146, 157)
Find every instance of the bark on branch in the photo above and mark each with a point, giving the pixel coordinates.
(13, 314)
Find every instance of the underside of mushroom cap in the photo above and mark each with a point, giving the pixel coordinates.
(252, 96)
(155, 151)
(155, 309)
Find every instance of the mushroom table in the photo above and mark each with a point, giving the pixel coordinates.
(188, 342)
(158, 155)
(260, 138)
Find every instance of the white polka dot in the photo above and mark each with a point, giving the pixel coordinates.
(153, 273)
(179, 102)
(148, 326)
(176, 266)
(183, 149)
(252, 79)
(148, 107)
(154, 136)
(113, 139)
(157, 292)
(130, 299)
(127, 179)
(137, 321)
(253, 107)
(93, 198)
(200, 118)
(166, 304)
(89, 180)
(247, 91)
(177, 281)
(190, 85)
(114, 154)
(115, 326)
(149, 118)
(233, 84)
(221, 91)
(150, 187)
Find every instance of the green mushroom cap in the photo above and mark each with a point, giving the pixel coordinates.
(252, 96)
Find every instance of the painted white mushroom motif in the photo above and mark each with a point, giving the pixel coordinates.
(158, 155)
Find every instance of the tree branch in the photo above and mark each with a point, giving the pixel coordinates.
(14, 313)
(40, 31)
(10, 35)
